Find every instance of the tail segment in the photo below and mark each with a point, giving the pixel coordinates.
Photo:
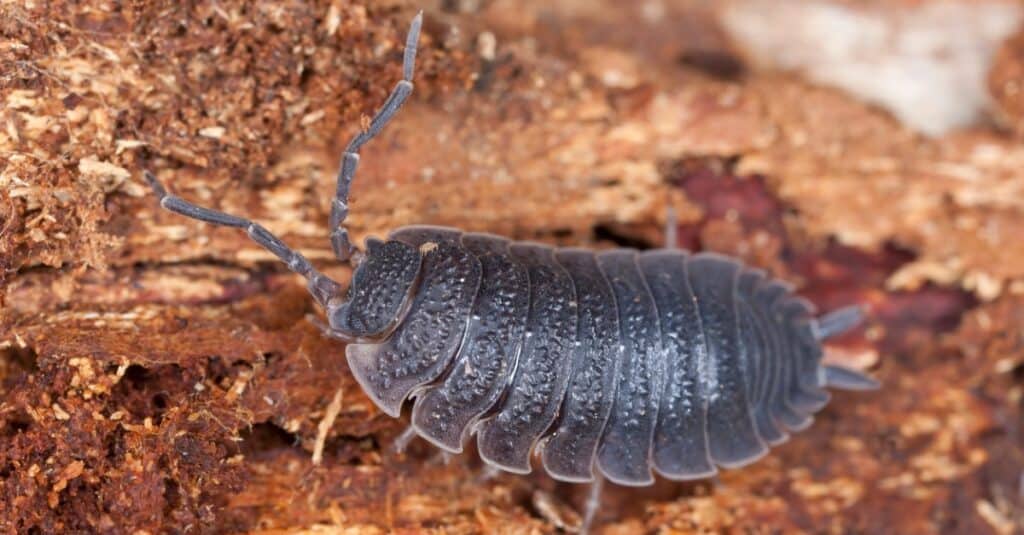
(847, 379)
(834, 324)
(838, 322)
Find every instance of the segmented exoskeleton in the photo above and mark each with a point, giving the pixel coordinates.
(616, 363)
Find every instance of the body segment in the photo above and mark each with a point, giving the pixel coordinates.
(624, 452)
(680, 437)
(732, 437)
(489, 353)
(542, 375)
(570, 450)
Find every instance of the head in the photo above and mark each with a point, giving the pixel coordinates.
(379, 292)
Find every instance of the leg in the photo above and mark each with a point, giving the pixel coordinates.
(671, 229)
(402, 441)
(442, 457)
(322, 287)
(328, 331)
(487, 473)
(343, 248)
(593, 502)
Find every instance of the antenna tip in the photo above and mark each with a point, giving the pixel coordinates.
(155, 184)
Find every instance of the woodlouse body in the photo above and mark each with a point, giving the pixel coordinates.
(619, 360)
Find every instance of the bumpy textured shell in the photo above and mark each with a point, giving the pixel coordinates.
(618, 361)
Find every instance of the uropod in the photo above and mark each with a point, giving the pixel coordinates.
(614, 364)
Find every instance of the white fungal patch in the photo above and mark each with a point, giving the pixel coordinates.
(926, 63)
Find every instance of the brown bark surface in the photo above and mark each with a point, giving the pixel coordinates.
(161, 375)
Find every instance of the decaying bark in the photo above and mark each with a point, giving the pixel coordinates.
(162, 375)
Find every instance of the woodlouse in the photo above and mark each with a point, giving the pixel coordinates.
(607, 363)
